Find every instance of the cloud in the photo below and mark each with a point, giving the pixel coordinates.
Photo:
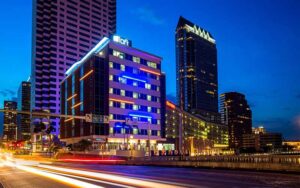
(148, 15)
(7, 93)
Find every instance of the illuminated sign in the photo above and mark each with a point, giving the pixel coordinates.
(122, 41)
(171, 105)
(200, 32)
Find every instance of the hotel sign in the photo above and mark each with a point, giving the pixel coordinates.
(122, 41)
(200, 32)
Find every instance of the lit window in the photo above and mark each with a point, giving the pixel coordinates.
(135, 95)
(122, 92)
(122, 67)
(110, 90)
(134, 83)
(111, 77)
(111, 130)
(149, 109)
(135, 107)
(151, 64)
(158, 111)
(111, 103)
(118, 54)
(122, 105)
(122, 80)
(136, 59)
(149, 97)
(111, 116)
(148, 86)
(158, 122)
(111, 64)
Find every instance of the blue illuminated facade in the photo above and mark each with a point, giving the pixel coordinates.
(123, 83)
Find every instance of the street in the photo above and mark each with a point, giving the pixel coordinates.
(14, 174)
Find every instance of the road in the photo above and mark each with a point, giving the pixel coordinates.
(33, 174)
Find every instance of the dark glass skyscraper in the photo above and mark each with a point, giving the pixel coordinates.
(24, 105)
(63, 32)
(236, 113)
(196, 69)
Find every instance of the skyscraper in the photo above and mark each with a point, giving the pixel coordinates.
(10, 122)
(236, 114)
(24, 105)
(196, 69)
(63, 32)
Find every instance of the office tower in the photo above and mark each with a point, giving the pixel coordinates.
(196, 69)
(63, 32)
(122, 86)
(24, 120)
(236, 114)
(10, 122)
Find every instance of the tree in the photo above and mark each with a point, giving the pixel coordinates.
(82, 145)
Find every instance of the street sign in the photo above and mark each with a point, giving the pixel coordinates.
(94, 118)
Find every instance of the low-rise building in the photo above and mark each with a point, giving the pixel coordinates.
(193, 135)
(261, 141)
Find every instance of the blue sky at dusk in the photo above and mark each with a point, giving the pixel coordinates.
(257, 40)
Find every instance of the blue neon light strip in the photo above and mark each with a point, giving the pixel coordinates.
(96, 49)
(138, 115)
(129, 77)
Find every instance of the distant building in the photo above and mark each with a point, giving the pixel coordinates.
(236, 114)
(10, 122)
(294, 145)
(63, 31)
(191, 134)
(122, 83)
(262, 141)
(24, 121)
(196, 70)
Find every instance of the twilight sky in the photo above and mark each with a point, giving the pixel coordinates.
(258, 48)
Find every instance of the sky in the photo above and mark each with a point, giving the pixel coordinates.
(257, 42)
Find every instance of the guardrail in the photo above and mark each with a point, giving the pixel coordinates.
(283, 159)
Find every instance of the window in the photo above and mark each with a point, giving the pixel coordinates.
(122, 105)
(148, 109)
(122, 92)
(151, 64)
(111, 64)
(148, 86)
(135, 95)
(148, 97)
(135, 107)
(111, 77)
(118, 54)
(136, 59)
(122, 67)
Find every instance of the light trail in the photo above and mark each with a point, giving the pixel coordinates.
(91, 160)
(59, 178)
(115, 178)
(95, 180)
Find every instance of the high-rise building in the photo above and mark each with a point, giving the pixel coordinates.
(236, 114)
(10, 122)
(123, 85)
(63, 32)
(24, 120)
(196, 69)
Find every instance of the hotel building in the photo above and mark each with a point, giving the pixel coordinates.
(192, 134)
(122, 83)
(63, 32)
